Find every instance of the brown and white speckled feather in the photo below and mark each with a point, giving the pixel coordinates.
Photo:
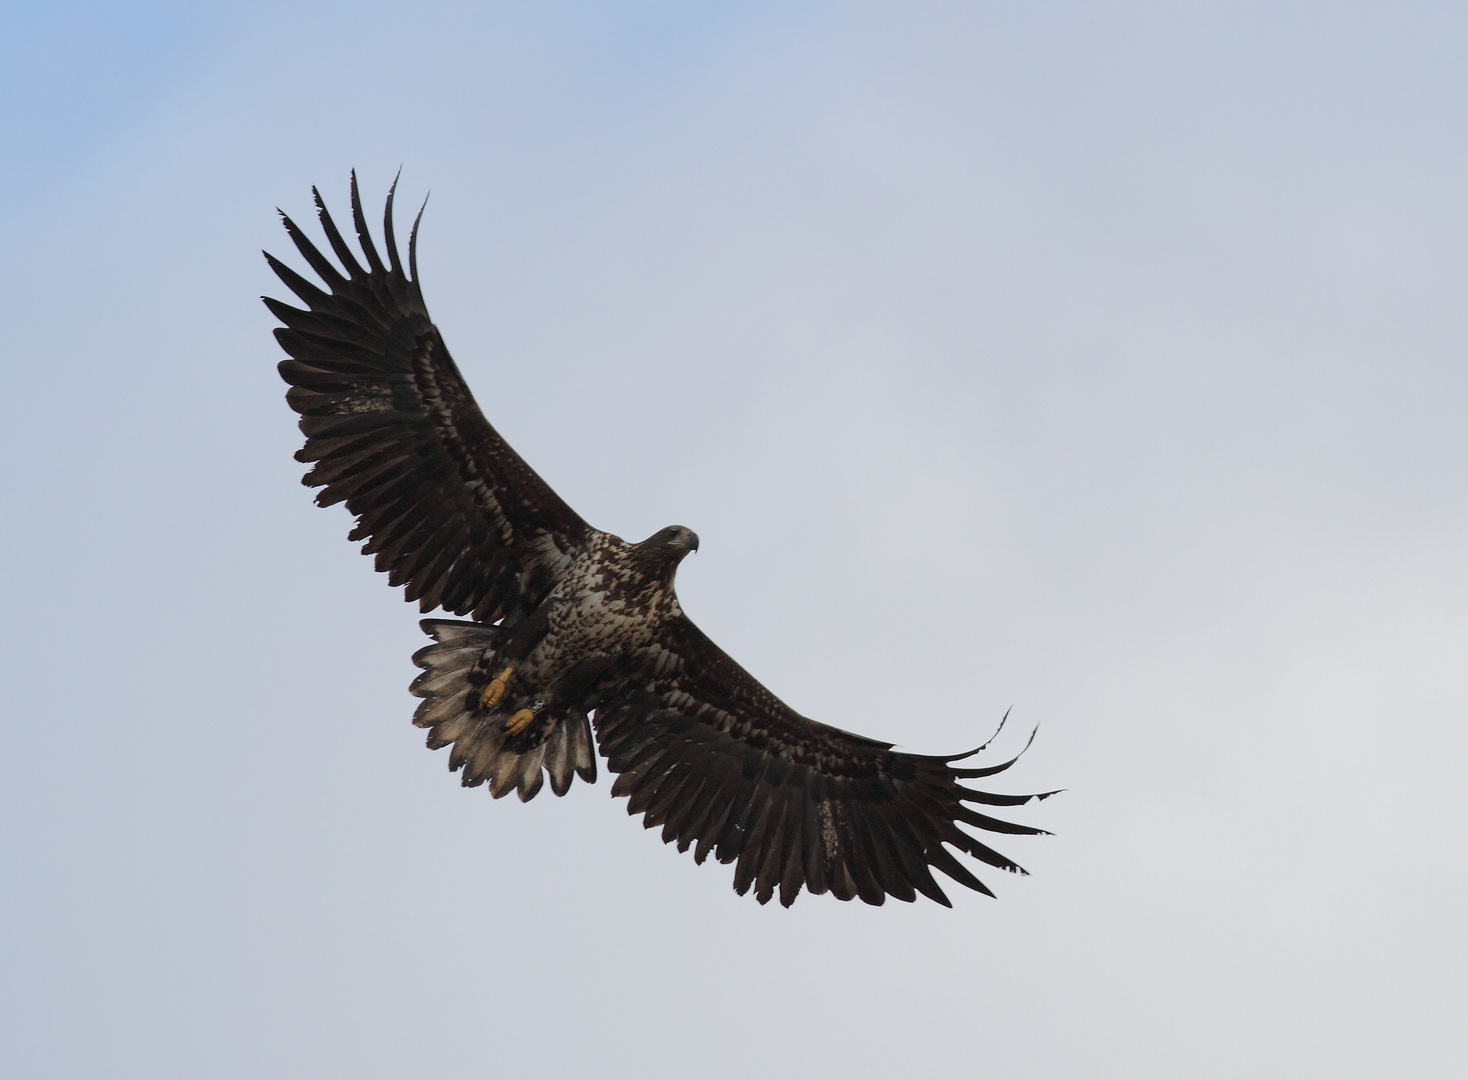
(568, 620)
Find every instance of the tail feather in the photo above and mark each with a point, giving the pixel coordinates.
(456, 669)
(583, 751)
(441, 682)
(557, 758)
(510, 772)
(531, 777)
(482, 754)
(457, 723)
(502, 769)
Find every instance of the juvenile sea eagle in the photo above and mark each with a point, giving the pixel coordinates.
(567, 621)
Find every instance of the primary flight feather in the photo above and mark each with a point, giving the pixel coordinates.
(567, 622)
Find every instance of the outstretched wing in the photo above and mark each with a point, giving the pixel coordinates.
(707, 752)
(450, 511)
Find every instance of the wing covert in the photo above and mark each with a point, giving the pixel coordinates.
(447, 508)
(706, 751)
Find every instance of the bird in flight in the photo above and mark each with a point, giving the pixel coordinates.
(571, 629)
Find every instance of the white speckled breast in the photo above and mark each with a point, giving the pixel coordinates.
(603, 604)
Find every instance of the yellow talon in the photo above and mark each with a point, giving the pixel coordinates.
(496, 688)
(519, 722)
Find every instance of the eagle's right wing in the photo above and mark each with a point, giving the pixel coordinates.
(450, 511)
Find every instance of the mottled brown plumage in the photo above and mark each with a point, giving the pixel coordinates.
(567, 622)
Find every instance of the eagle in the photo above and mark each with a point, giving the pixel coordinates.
(570, 629)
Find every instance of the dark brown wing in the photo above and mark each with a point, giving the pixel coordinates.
(711, 755)
(448, 509)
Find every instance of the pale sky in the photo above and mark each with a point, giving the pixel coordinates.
(1102, 361)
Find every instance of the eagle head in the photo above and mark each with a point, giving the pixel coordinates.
(670, 545)
(675, 538)
(660, 554)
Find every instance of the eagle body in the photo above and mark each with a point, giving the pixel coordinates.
(616, 596)
(569, 626)
(600, 622)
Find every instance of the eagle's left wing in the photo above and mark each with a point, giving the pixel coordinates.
(719, 761)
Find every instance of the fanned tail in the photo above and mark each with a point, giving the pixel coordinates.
(456, 670)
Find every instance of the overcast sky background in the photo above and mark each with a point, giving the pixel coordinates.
(1105, 361)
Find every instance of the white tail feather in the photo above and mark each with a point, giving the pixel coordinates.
(456, 670)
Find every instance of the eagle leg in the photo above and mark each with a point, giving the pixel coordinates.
(519, 722)
(496, 689)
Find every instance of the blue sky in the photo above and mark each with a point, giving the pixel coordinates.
(1101, 362)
